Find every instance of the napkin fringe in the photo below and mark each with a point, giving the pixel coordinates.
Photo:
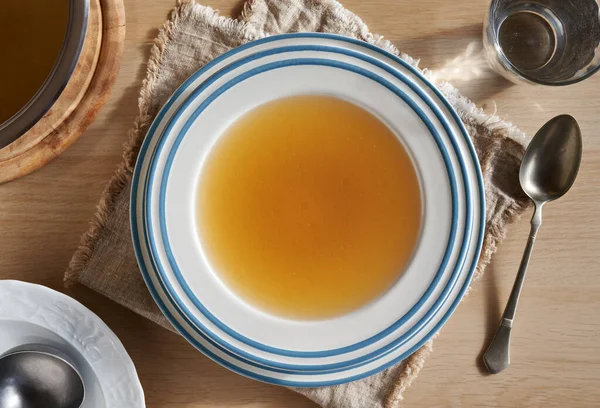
(412, 367)
(468, 111)
(189, 8)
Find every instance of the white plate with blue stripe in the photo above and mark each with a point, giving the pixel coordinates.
(243, 338)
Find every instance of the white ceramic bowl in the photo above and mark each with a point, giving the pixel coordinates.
(247, 340)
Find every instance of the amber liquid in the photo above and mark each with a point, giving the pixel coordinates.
(32, 35)
(308, 207)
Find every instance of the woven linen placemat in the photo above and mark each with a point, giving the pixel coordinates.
(193, 36)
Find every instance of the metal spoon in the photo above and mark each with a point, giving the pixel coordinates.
(548, 170)
(37, 375)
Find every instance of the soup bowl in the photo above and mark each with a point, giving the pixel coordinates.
(57, 78)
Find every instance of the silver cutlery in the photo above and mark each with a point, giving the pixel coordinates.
(547, 172)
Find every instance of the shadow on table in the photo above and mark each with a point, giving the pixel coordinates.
(457, 56)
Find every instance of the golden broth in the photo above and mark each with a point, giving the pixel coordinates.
(33, 32)
(308, 207)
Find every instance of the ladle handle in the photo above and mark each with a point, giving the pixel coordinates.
(497, 356)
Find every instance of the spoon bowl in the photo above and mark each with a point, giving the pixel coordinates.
(36, 376)
(551, 162)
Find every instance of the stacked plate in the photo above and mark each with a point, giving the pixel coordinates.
(306, 353)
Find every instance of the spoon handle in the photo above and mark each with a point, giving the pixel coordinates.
(497, 356)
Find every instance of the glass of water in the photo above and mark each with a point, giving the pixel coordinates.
(549, 42)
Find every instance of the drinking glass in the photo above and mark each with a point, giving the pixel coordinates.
(549, 42)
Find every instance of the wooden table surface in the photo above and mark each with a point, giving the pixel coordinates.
(555, 347)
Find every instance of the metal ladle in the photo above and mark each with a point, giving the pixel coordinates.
(36, 375)
(547, 172)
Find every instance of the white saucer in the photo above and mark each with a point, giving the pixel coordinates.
(35, 314)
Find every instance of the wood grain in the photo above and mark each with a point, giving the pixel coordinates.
(555, 348)
(81, 100)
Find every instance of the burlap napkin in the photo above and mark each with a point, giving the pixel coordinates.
(195, 35)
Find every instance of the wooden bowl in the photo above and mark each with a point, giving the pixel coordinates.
(80, 101)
